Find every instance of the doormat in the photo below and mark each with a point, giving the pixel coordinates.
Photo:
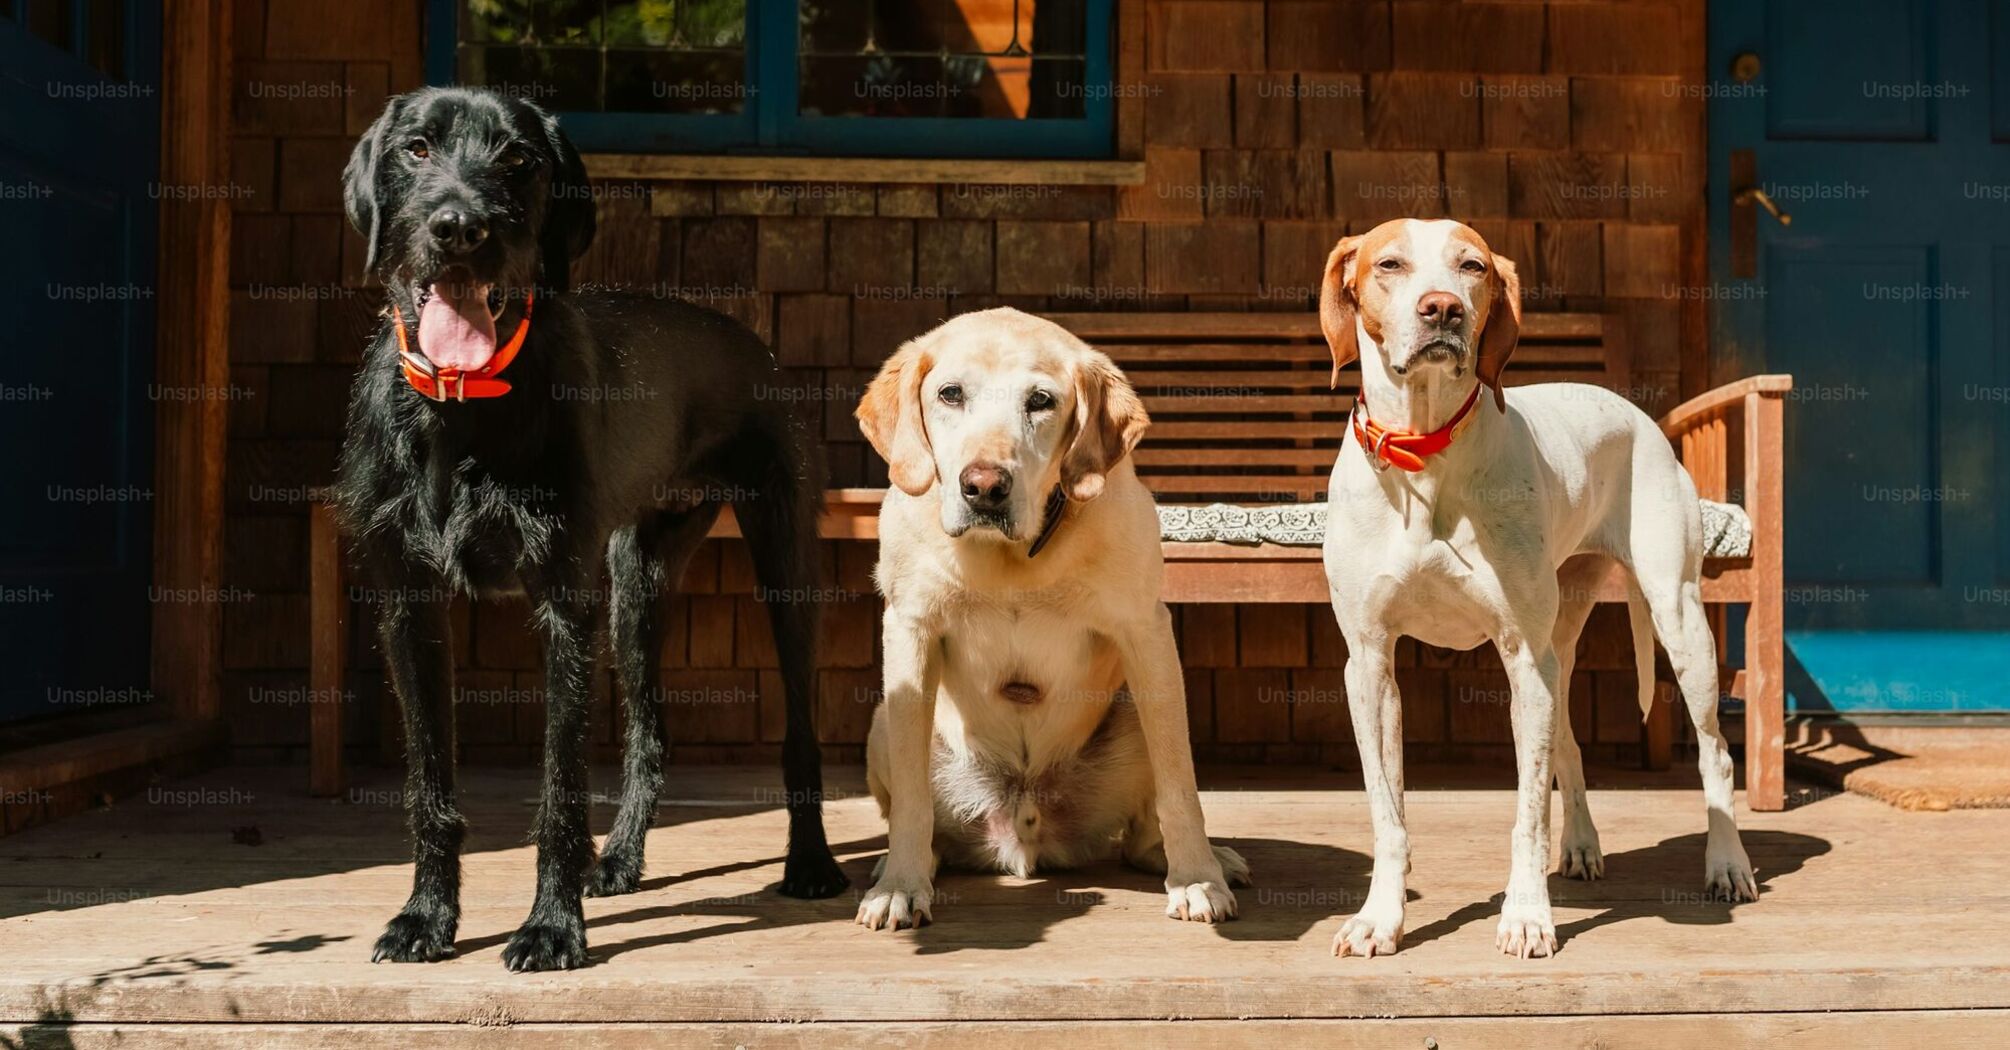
(1922, 768)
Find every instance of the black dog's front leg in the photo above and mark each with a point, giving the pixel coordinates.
(419, 650)
(554, 936)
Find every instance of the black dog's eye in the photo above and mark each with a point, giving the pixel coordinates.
(1039, 401)
(513, 159)
(418, 148)
(1389, 265)
(1473, 266)
(950, 394)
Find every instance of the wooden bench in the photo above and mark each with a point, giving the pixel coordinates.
(1242, 413)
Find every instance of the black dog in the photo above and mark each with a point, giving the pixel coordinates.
(584, 474)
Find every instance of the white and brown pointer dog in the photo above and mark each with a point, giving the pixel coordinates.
(1459, 518)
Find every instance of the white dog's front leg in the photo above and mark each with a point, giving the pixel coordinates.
(1377, 709)
(1526, 928)
(904, 894)
(1196, 889)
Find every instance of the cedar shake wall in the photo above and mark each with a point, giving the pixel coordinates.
(1568, 133)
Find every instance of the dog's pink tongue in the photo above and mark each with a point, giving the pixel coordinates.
(455, 329)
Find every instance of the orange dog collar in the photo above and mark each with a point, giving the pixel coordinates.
(441, 384)
(1388, 447)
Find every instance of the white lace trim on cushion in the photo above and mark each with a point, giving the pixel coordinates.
(1727, 532)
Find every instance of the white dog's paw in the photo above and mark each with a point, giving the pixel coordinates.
(1202, 898)
(1728, 874)
(1526, 932)
(1233, 867)
(1581, 858)
(1369, 934)
(896, 902)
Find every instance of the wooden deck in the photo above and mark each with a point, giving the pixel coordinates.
(157, 922)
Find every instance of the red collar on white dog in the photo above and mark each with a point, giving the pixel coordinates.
(1388, 447)
(441, 384)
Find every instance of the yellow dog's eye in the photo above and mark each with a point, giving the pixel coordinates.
(1389, 265)
(1473, 266)
(1039, 401)
(950, 394)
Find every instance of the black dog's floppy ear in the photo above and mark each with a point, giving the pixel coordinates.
(359, 182)
(569, 222)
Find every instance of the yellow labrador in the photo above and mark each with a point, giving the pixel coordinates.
(1019, 558)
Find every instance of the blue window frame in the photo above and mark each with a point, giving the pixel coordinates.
(763, 85)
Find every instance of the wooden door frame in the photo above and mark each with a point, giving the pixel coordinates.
(184, 729)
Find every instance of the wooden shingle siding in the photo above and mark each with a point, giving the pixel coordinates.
(1205, 36)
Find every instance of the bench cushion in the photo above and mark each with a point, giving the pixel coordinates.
(1727, 532)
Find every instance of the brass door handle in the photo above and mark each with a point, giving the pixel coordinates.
(1746, 200)
(1755, 195)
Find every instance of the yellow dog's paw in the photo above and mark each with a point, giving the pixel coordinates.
(895, 903)
(1200, 900)
(1233, 867)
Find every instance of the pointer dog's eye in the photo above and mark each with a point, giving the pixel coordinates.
(1389, 265)
(950, 394)
(418, 148)
(1473, 266)
(1039, 401)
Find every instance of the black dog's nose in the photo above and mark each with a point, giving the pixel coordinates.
(1442, 309)
(455, 230)
(986, 487)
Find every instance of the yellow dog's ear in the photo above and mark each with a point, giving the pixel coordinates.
(1109, 420)
(1503, 326)
(890, 417)
(1338, 306)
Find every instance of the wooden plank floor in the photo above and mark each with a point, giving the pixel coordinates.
(160, 911)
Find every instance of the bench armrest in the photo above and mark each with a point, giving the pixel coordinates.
(1700, 429)
(1688, 414)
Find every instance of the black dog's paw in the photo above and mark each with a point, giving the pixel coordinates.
(813, 874)
(614, 874)
(413, 937)
(554, 943)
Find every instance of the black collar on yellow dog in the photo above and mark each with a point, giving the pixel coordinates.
(1057, 508)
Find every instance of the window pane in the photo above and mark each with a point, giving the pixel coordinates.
(636, 56)
(692, 24)
(531, 23)
(643, 81)
(556, 78)
(1009, 59)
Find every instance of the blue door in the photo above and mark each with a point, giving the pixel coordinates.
(1879, 131)
(79, 152)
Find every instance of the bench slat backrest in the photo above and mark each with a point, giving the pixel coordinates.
(1240, 404)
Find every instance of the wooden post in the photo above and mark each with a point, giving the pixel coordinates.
(193, 352)
(328, 608)
(1765, 648)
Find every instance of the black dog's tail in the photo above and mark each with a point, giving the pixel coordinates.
(779, 519)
